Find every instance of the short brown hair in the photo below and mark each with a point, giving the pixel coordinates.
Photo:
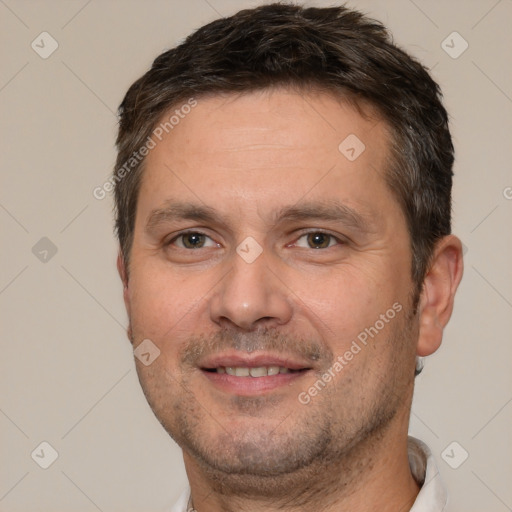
(333, 49)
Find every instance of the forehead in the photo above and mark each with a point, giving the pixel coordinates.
(266, 147)
(277, 118)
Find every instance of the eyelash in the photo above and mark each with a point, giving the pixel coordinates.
(303, 234)
(185, 233)
(325, 233)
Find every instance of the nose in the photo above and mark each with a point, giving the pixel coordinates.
(250, 296)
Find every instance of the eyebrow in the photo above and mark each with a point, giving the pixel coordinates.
(331, 210)
(173, 211)
(314, 210)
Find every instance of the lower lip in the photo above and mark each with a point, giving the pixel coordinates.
(246, 386)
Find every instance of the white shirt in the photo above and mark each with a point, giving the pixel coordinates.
(431, 498)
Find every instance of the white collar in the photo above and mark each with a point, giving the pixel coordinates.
(431, 498)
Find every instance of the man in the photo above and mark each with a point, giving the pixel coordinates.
(283, 200)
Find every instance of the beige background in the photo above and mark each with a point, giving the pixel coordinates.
(67, 373)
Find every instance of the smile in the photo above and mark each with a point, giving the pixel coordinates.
(245, 371)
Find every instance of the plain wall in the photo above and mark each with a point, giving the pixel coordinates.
(67, 370)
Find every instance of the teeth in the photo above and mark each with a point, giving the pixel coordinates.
(260, 371)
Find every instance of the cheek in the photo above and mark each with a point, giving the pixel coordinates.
(344, 303)
(160, 304)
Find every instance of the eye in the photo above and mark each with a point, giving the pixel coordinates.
(316, 240)
(193, 240)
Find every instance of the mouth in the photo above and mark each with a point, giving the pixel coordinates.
(253, 374)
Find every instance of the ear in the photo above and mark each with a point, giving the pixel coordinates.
(123, 274)
(438, 293)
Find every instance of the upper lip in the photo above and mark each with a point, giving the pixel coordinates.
(253, 360)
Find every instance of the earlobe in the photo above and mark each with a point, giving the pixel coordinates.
(123, 274)
(438, 293)
(121, 268)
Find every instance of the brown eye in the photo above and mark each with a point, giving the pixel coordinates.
(319, 240)
(193, 240)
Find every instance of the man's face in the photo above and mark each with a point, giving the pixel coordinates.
(262, 249)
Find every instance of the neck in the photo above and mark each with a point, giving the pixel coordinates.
(374, 475)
